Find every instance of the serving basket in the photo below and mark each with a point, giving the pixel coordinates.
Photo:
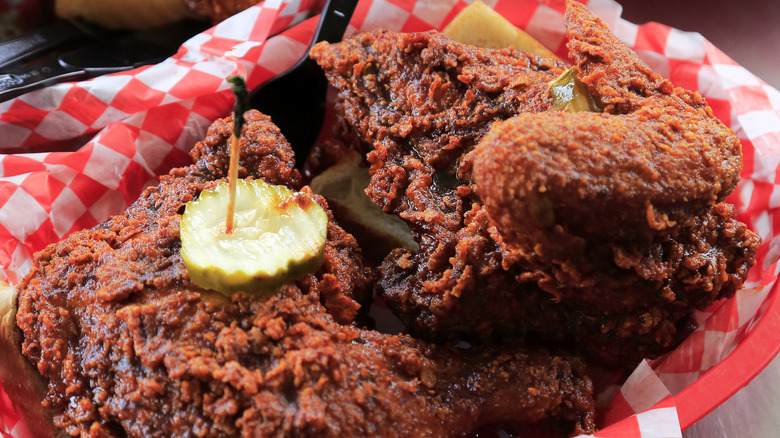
(75, 153)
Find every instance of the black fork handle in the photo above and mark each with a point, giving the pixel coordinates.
(334, 21)
(295, 99)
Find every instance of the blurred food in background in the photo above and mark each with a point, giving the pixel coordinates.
(218, 10)
(21, 16)
(146, 14)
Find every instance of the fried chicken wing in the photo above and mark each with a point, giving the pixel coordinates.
(131, 347)
(602, 232)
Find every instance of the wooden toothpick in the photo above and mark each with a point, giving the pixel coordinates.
(240, 107)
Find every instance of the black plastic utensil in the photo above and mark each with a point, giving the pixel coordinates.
(45, 39)
(111, 55)
(295, 99)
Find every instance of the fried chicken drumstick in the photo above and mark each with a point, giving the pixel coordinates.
(603, 232)
(131, 347)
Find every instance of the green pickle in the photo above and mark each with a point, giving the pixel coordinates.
(278, 235)
(570, 94)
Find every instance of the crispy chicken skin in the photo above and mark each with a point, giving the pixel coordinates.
(131, 347)
(601, 232)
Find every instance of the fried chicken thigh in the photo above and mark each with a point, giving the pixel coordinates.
(131, 347)
(601, 232)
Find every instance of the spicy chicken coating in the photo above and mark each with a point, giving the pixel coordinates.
(131, 347)
(422, 102)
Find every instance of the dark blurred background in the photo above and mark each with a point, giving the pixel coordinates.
(746, 30)
(18, 16)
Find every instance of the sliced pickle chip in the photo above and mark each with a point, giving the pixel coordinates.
(572, 95)
(278, 235)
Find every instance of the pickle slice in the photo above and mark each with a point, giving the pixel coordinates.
(570, 94)
(278, 235)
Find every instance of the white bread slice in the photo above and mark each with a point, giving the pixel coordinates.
(480, 26)
(343, 186)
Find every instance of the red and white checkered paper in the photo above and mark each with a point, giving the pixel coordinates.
(77, 153)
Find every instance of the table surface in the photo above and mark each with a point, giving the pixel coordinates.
(748, 32)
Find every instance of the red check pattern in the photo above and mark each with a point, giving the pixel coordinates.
(76, 153)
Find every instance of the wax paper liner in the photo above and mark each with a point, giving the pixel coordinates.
(76, 153)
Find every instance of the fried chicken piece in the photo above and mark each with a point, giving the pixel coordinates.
(624, 209)
(611, 213)
(417, 101)
(131, 347)
(420, 101)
